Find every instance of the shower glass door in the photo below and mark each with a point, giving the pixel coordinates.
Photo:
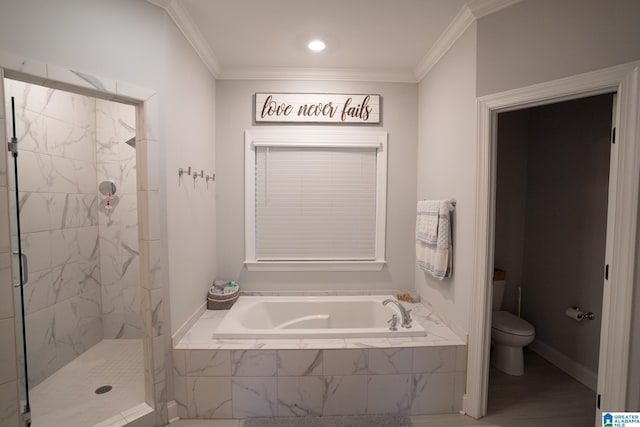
(20, 268)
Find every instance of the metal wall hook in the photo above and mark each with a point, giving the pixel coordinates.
(190, 172)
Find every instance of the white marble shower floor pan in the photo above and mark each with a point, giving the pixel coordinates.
(68, 399)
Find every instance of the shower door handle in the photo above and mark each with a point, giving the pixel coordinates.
(25, 269)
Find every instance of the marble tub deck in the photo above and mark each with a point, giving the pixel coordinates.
(201, 336)
(246, 378)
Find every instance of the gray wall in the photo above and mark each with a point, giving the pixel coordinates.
(511, 201)
(399, 118)
(446, 169)
(188, 114)
(564, 222)
(540, 40)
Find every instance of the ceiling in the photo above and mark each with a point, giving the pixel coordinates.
(382, 40)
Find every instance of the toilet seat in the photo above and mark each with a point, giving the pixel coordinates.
(511, 324)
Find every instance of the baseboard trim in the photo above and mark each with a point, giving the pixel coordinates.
(569, 366)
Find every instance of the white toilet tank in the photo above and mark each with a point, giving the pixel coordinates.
(498, 294)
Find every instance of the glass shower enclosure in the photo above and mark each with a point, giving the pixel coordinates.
(71, 175)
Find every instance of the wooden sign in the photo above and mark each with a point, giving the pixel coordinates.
(317, 108)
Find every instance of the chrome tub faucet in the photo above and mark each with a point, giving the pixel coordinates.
(406, 316)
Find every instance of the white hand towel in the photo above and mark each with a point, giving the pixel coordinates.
(434, 248)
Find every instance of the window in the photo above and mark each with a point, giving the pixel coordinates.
(315, 199)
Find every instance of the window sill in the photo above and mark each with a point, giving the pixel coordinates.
(314, 265)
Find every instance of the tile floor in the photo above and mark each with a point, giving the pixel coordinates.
(544, 396)
(67, 398)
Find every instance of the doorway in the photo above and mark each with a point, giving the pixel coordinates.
(622, 221)
(552, 186)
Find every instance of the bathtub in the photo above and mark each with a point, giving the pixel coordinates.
(284, 317)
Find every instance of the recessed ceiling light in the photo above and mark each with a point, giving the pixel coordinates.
(316, 45)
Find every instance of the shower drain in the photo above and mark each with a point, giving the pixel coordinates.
(103, 389)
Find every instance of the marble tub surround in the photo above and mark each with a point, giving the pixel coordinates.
(299, 383)
(315, 377)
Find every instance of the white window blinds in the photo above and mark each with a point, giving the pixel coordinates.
(315, 203)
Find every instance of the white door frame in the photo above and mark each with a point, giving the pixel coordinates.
(621, 227)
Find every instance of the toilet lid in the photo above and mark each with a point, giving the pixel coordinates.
(511, 324)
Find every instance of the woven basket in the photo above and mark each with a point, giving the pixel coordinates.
(222, 301)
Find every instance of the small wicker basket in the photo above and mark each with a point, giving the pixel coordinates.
(222, 301)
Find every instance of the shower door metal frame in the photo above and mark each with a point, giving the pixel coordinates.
(12, 147)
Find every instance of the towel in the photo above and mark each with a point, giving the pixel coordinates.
(434, 246)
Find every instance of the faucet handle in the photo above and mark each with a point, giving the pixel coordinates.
(393, 321)
(408, 319)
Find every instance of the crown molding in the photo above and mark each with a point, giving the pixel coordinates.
(185, 23)
(331, 74)
(481, 8)
(164, 4)
(468, 14)
(454, 30)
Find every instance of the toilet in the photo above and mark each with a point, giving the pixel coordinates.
(509, 335)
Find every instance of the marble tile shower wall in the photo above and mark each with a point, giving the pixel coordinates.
(83, 258)
(59, 224)
(118, 226)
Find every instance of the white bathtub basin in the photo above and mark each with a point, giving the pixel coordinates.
(313, 317)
